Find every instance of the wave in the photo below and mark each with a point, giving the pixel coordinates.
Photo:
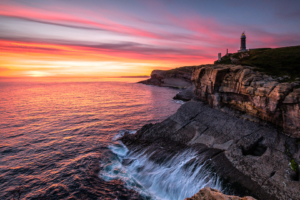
(169, 177)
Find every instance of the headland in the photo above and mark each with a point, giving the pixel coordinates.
(242, 119)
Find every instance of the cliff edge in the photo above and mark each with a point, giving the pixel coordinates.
(256, 96)
(278, 62)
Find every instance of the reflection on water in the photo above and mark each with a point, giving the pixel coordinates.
(54, 134)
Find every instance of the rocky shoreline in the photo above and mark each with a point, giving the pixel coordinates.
(246, 127)
(247, 155)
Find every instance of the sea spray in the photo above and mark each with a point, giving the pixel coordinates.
(171, 177)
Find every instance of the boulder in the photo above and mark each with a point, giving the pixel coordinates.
(186, 94)
(213, 194)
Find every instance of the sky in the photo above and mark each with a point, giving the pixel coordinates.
(96, 38)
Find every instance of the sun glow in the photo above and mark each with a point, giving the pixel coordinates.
(39, 60)
(89, 38)
(37, 74)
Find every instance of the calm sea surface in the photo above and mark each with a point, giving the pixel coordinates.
(56, 135)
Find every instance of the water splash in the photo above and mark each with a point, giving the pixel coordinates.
(175, 177)
(113, 169)
(121, 134)
(179, 102)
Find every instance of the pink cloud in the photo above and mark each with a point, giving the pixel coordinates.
(201, 38)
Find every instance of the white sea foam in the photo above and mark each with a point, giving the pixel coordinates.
(179, 102)
(178, 177)
(121, 134)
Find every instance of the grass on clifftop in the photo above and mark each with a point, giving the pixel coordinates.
(276, 62)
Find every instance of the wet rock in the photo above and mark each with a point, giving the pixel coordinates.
(213, 194)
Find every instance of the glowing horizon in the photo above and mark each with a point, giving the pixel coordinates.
(114, 38)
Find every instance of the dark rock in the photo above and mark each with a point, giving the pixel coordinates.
(247, 155)
(186, 94)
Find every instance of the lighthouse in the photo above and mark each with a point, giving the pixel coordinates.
(243, 43)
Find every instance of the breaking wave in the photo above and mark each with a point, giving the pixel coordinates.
(170, 177)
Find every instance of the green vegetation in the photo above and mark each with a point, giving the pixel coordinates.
(294, 165)
(276, 62)
(224, 60)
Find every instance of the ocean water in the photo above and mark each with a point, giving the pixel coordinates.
(58, 141)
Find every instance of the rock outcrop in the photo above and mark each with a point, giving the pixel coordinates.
(186, 94)
(176, 78)
(253, 157)
(256, 96)
(212, 194)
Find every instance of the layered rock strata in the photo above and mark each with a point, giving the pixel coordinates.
(245, 154)
(176, 79)
(252, 93)
(212, 194)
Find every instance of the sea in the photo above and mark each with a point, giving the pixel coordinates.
(59, 140)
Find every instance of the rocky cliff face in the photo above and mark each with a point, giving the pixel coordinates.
(257, 96)
(177, 78)
(253, 157)
(212, 194)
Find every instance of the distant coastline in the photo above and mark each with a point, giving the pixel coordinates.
(145, 76)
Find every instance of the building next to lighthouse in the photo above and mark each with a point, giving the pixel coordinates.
(242, 48)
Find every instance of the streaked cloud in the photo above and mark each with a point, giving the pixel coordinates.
(133, 37)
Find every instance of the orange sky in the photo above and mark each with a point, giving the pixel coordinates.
(40, 59)
(131, 38)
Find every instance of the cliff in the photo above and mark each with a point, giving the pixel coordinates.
(258, 97)
(254, 158)
(249, 132)
(177, 78)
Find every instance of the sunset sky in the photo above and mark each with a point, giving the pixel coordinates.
(74, 38)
